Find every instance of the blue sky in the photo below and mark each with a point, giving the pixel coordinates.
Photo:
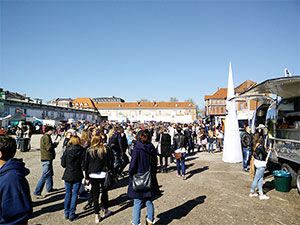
(144, 49)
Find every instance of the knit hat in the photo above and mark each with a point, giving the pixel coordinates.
(48, 128)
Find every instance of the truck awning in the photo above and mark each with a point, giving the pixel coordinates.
(259, 98)
(285, 87)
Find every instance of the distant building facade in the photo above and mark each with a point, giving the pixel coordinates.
(215, 105)
(12, 103)
(63, 102)
(108, 99)
(183, 112)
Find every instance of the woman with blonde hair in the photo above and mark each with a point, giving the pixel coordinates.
(72, 161)
(98, 161)
(260, 163)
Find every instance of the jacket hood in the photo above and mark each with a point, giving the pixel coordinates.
(14, 164)
(74, 150)
(149, 148)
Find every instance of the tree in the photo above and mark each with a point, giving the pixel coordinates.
(173, 99)
(144, 100)
(199, 112)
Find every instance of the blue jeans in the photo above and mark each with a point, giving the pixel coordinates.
(18, 142)
(258, 180)
(72, 190)
(182, 161)
(46, 178)
(137, 205)
(211, 147)
(246, 155)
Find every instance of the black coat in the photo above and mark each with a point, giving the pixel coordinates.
(179, 141)
(165, 144)
(260, 153)
(94, 164)
(72, 160)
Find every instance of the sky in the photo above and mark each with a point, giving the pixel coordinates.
(139, 49)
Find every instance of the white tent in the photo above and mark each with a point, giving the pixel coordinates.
(232, 152)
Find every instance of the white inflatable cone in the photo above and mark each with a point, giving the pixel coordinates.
(232, 152)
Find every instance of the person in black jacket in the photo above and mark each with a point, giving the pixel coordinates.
(246, 145)
(124, 157)
(180, 144)
(164, 146)
(260, 162)
(115, 143)
(98, 161)
(72, 161)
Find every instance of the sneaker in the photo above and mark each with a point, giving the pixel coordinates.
(97, 218)
(183, 177)
(178, 175)
(52, 190)
(253, 195)
(263, 197)
(39, 196)
(73, 218)
(107, 214)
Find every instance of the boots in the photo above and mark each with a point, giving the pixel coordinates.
(148, 222)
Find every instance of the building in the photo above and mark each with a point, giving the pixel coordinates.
(215, 105)
(64, 102)
(183, 112)
(12, 103)
(108, 99)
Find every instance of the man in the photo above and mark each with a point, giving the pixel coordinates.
(47, 149)
(246, 145)
(124, 157)
(115, 143)
(15, 200)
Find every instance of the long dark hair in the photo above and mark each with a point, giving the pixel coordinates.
(256, 139)
(145, 137)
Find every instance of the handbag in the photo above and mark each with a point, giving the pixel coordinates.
(177, 155)
(110, 180)
(142, 181)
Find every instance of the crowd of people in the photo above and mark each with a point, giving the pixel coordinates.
(94, 152)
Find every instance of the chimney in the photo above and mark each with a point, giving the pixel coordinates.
(24, 95)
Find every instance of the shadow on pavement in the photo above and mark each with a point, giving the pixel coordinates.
(49, 198)
(179, 211)
(51, 208)
(195, 171)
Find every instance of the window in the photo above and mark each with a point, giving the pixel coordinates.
(241, 106)
(140, 112)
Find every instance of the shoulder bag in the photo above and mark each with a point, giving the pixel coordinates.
(142, 181)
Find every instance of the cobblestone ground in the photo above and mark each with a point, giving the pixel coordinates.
(214, 193)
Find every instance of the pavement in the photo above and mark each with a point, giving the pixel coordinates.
(213, 193)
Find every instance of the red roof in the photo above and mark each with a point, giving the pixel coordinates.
(222, 92)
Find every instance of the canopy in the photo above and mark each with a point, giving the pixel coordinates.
(17, 117)
(259, 98)
(285, 87)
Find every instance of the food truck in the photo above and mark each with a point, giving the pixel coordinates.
(280, 113)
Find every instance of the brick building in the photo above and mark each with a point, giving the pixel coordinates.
(215, 105)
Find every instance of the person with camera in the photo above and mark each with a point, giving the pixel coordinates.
(47, 149)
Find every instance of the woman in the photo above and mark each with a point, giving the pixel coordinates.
(260, 156)
(210, 141)
(72, 160)
(143, 155)
(98, 161)
(180, 144)
(164, 140)
(202, 140)
(219, 135)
